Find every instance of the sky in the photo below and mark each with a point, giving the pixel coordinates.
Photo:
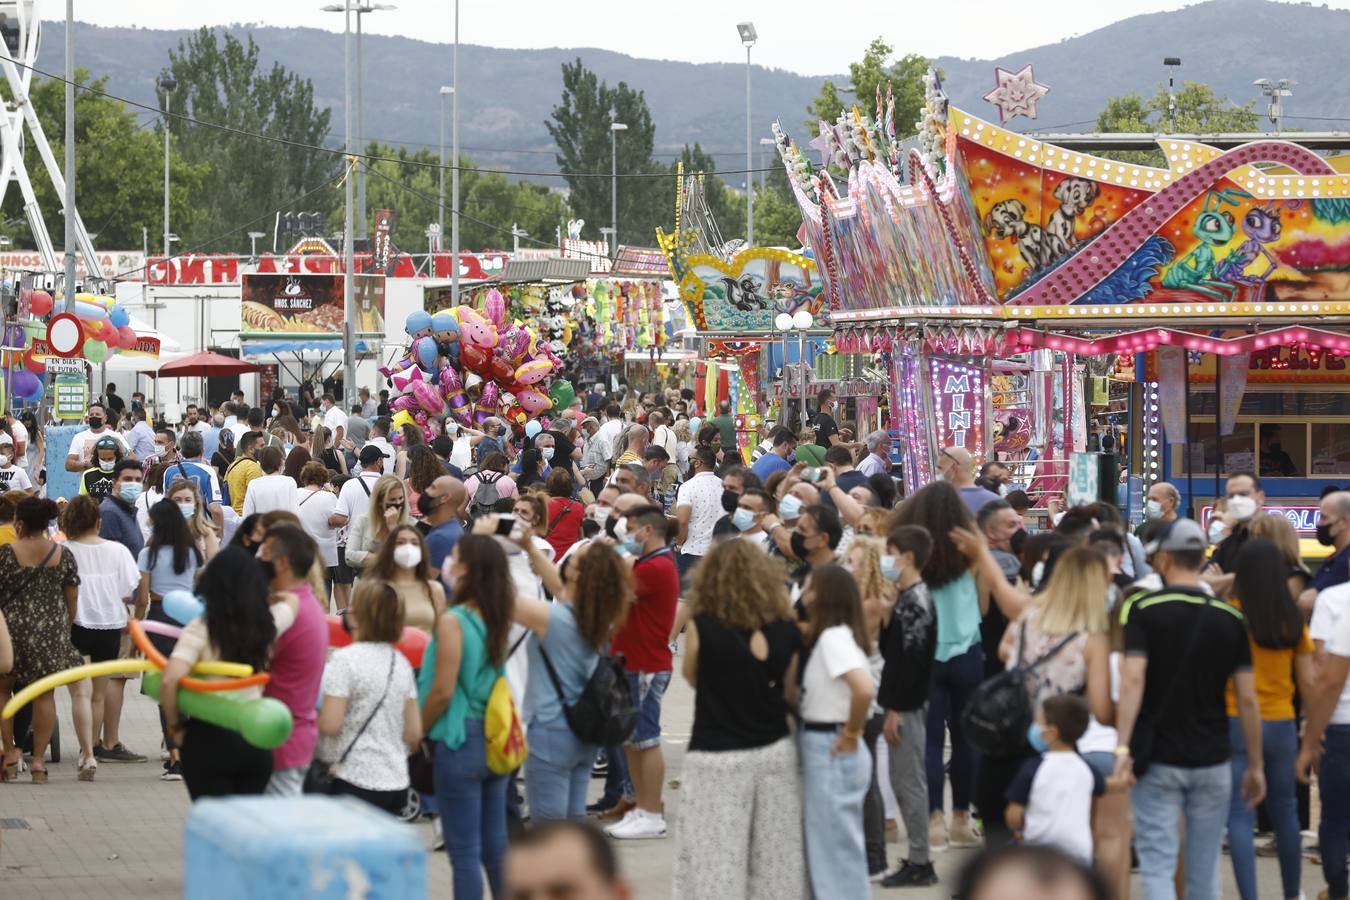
(809, 38)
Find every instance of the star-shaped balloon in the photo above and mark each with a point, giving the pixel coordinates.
(1015, 93)
(404, 380)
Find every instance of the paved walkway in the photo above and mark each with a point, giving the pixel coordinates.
(121, 835)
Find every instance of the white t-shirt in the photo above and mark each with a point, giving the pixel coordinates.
(268, 493)
(314, 507)
(13, 478)
(1331, 625)
(606, 435)
(703, 495)
(108, 575)
(1057, 789)
(354, 500)
(148, 498)
(20, 437)
(461, 456)
(361, 673)
(387, 449)
(334, 419)
(665, 439)
(82, 444)
(825, 695)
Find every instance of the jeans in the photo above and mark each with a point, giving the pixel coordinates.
(953, 683)
(648, 688)
(558, 772)
(617, 783)
(835, 786)
(1159, 800)
(1334, 780)
(1279, 747)
(472, 804)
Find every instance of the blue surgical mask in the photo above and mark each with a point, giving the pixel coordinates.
(743, 519)
(187, 509)
(890, 567)
(288, 447)
(547, 453)
(131, 491)
(789, 507)
(1036, 739)
(632, 545)
(1215, 530)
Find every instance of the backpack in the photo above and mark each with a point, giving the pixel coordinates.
(605, 713)
(502, 731)
(485, 496)
(999, 711)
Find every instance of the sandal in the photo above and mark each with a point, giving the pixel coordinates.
(39, 775)
(88, 769)
(11, 770)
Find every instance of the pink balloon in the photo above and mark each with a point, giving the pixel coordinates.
(491, 397)
(127, 337)
(428, 396)
(515, 343)
(163, 628)
(403, 401)
(534, 371)
(532, 401)
(495, 306)
(450, 380)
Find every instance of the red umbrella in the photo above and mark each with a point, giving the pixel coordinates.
(205, 365)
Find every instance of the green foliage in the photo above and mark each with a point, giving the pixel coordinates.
(119, 171)
(904, 76)
(580, 126)
(220, 80)
(1198, 111)
(777, 216)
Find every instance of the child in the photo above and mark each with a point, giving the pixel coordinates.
(1050, 800)
(907, 646)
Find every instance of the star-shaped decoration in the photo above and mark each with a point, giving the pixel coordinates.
(404, 380)
(1015, 93)
(821, 143)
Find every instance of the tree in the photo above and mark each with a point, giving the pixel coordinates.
(904, 77)
(497, 204)
(580, 126)
(1198, 111)
(249, 178)
(119, 173)
(777, 216)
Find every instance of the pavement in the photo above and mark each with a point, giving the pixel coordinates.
(120, 836)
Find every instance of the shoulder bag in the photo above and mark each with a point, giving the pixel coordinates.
(605, 713)
(319, 777)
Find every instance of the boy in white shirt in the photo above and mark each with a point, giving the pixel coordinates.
(12, 477)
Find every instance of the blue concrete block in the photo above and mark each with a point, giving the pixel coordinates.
(266, 848)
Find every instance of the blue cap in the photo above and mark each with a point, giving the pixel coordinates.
(417, 320)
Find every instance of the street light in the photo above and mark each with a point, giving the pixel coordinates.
(800, 322)
(454, 171)
(1172, 63)
(446, 91)
(1274, 91)
(614, 129)
(167, 86)
(253, 242)
(748, 38)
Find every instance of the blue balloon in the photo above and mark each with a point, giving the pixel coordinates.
(425, 348)
(119, 317)
(442, 322)
(183, 606)
(418, 320)
(532, 428)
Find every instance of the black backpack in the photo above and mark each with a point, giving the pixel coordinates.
(605, 713)
(999, 711)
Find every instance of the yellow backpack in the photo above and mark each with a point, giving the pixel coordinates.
(504, 734)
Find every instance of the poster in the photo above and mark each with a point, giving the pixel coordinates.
(280, 305)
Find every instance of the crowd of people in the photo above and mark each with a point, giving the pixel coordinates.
(856, 658)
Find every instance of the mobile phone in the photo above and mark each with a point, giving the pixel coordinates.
(811, 474)
(505, 522)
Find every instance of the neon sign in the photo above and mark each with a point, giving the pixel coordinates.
(1303, 518)
(958, 405)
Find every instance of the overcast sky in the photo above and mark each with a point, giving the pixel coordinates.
(810, 38)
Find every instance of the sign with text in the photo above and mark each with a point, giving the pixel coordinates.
(197, 269)
(293, 305)
(1303, 518)
(71, 396)
(1084, 475)
(958, 398)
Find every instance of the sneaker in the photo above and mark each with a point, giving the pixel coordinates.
(639, 825)
(937, 830)
(172, 772)
(963, 833)
(600, 768)
(118, 753)
(876, 875)
(911, 875)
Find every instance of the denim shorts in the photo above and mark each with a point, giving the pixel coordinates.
(1103, 763)
(648, 688)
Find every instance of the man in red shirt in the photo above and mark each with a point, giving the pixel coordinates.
(643, 641)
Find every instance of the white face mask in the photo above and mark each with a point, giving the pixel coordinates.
(1037, 573)
(1215, 530)
(1241, 508)
(1153, 509)
(407, 555)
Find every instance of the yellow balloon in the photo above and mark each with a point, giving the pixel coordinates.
(111, 667)
(401, 418)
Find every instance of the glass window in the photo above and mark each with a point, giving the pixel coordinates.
(1330, 444)
(1264, 404)
(1284, 449)
(1239, 448)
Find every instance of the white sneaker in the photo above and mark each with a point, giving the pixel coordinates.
(626, 817)
(639, 826)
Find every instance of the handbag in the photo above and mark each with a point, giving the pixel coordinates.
(319, 776)
(1146, 730)
(999, 711)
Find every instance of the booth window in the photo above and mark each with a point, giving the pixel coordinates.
(1239, 448)
(1330, 443)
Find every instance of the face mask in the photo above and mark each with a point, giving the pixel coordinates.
(1215, 531)
(799, 545)
(729, 501)
(451, 428)
(275, 412)
(1002, 489)
(620, 530)
(546, 453)
(743, 519)
(1324, 535)
(1037, 573)
(107, 464)
(890, 567)
(600, 515)
(1153, 509)
(427, 504)
(95, 422)
(187, 509)
(789, 507)
(5, 459)
(288, 447)
(407, 555)
(1241, 508)
(131, 491)
(1036, 739)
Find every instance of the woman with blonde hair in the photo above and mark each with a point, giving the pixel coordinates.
(684, 442)
(188, 498)
(332, 458)
(388, 509)
(742, 784)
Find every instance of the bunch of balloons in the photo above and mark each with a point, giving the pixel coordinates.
(104, 328)
(470, 365)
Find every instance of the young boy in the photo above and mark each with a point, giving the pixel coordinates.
(1050, 800)
(907, 646)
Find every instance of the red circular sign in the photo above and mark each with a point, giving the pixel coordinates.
(65, 335)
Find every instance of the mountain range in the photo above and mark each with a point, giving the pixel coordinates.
(506, 95)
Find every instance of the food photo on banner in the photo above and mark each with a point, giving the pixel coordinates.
(287, 305)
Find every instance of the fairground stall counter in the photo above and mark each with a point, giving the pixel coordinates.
(1005, 281)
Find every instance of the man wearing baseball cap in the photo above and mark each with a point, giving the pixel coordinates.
(1181, 647)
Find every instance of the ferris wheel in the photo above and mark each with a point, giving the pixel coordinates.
(20, 37)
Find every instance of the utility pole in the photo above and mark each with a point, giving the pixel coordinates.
(348, 294)
(70, 156)
(454, 172)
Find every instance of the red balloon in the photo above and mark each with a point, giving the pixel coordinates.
(412, 645)
(475, 359)
(40, 303)
(33, 364)
(126, 337)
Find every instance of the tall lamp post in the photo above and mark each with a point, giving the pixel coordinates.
(348, 294)
(70, 157)
(614, 129)
(446, 91)
(799, 322)
(167, 86)
(748, 38)
(1172, 63)
(454, 171)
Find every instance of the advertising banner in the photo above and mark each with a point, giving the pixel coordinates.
(280, 305)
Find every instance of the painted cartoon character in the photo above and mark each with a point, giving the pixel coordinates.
(1007, 219)
(1213, 227)
(1075, 195)
(743, 294)
(1262, 226)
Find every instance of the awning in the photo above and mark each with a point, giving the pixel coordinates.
(204, 365)
(271, 347)
(547, 271)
